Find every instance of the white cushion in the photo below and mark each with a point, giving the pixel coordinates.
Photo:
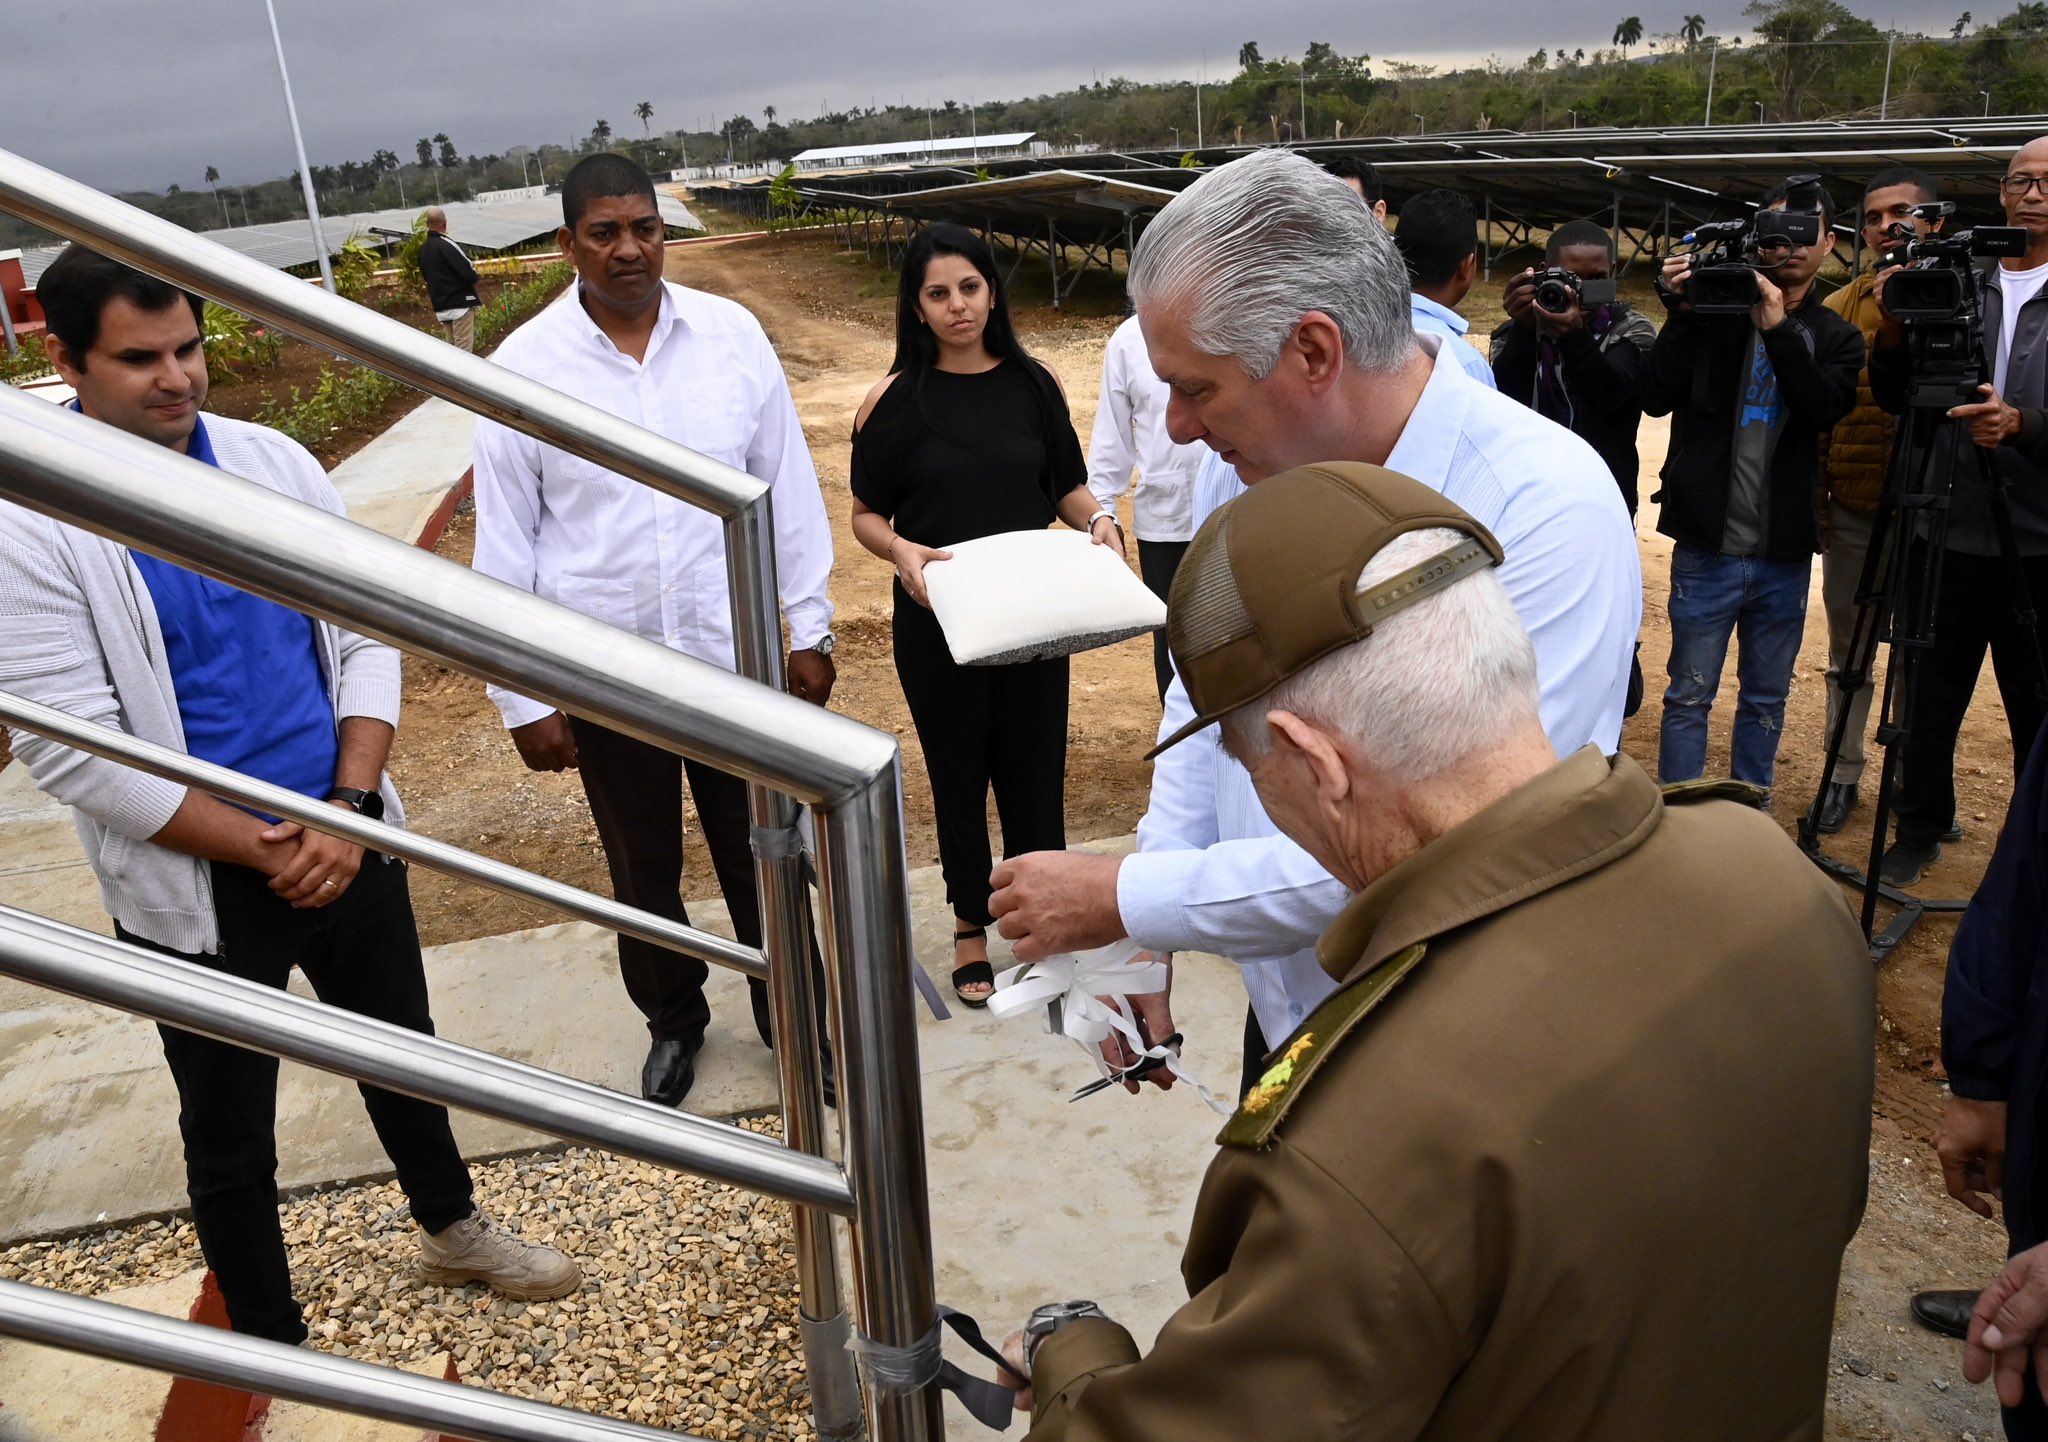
(1027, 595)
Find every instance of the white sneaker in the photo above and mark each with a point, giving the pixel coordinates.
(474, 1250)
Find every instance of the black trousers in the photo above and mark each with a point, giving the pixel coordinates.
(1973, 612)
(984, 727)
(1157, 561)
(636, 798)
(361, 953)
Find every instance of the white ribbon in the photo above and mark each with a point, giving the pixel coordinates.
(1094, 989)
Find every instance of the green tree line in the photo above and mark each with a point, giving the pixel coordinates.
(1800, 60)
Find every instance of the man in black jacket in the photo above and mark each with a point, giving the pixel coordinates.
(1974, 608)
(1749, 396)
(451, 281)
(1578, 366)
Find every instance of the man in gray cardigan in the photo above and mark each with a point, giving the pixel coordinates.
(125, 640)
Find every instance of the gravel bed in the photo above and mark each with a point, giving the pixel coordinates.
(687, 1317)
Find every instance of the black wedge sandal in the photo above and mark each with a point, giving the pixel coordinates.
(974, 973)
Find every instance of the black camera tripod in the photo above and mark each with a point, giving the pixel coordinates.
(1901, 579)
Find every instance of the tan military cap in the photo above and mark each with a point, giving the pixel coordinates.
(1270, 583)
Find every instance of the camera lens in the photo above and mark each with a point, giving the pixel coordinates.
(1555, 296)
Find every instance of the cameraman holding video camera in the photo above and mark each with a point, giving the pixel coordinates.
(1752, 369)
(1973, 606)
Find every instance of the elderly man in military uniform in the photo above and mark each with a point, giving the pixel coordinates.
(1576, 1147)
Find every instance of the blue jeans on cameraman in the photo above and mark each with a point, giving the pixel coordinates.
(1762, 603)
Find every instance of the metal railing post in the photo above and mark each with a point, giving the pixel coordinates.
(792, 1000)
(864, 872)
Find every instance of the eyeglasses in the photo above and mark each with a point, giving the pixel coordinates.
(2017, 185)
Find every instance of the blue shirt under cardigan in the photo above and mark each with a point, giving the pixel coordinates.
(247, 673)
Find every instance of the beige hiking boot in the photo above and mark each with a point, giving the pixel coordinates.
(474, 1250)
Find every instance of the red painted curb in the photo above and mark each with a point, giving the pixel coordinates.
(437, 524)
(202, 1412)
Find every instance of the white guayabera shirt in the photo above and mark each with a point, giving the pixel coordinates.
(597, 542)
(1130, 429)
(1212, 873)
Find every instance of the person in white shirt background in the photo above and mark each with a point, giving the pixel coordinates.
(1438, 237)
(1130, 428)
(1275, 308)
(698, 369)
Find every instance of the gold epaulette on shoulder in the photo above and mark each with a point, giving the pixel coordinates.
(1723, 788)
(1265, 1104)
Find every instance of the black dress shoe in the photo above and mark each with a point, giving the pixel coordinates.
(1945, 1312)
(1836, 805)
(670, 1071)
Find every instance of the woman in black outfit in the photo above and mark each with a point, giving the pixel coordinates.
(969, 436)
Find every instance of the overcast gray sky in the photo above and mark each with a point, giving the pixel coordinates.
(127, 94)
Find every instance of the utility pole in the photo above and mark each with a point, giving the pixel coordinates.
(291, 110)
(1200, 76)
(1302, 78)
(974, 130)
(1885, 101)
(1714, 59)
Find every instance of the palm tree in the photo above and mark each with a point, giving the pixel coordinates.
(1693, 29)
(768, 113)
(601, 134)
(213, 181)
(1628, 32)
(1962, 24)
(1248, 55)
(2031, 17)
(388, 160)
(645, 110)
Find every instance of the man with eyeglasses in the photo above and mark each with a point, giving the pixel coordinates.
(1974, 610)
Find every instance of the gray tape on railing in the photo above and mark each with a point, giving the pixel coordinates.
(897, 1370)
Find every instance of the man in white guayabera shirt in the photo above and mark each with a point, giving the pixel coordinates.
(1276, 310)
(1130, 427)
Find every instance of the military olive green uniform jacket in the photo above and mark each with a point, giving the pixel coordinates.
(1586, 1171)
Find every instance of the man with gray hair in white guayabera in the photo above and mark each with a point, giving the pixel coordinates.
(1276, 310)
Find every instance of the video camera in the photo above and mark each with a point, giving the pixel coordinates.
(1723, 278)
(1557, 289)
(1934, 281)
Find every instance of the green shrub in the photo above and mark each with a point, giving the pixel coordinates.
(30, 363)
(358, 268)
(515, 303)
(236, 345)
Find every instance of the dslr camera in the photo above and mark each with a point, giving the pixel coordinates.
(1556, 289)
(1935, 272)
(1728, 252)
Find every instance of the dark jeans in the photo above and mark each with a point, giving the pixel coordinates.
(1973, 612)
(1762, 604)
(635, 791)
(983, 728)
(361, 953)
(1157, 561)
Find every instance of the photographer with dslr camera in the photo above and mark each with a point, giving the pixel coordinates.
(1752, 369)
(1974, 604)
(1571, 352)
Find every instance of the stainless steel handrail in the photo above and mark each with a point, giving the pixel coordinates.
(227, 1008)
(32, 716)
(298, 1374)
(162, 249)
(148, 496)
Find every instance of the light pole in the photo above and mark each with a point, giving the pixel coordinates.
(1301, 79)
(1884, 102)
(1575, 118)
(1759, 112)
(1713, 60)
(1176, 135)
(1987, 103)
(1421, 125)
(291, 110)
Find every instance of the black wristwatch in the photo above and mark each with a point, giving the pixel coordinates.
(1049, 1319)
(364, 803)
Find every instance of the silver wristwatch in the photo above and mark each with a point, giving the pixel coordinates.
(1049, 1319)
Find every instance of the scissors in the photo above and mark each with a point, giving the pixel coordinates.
(1144, 1068)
